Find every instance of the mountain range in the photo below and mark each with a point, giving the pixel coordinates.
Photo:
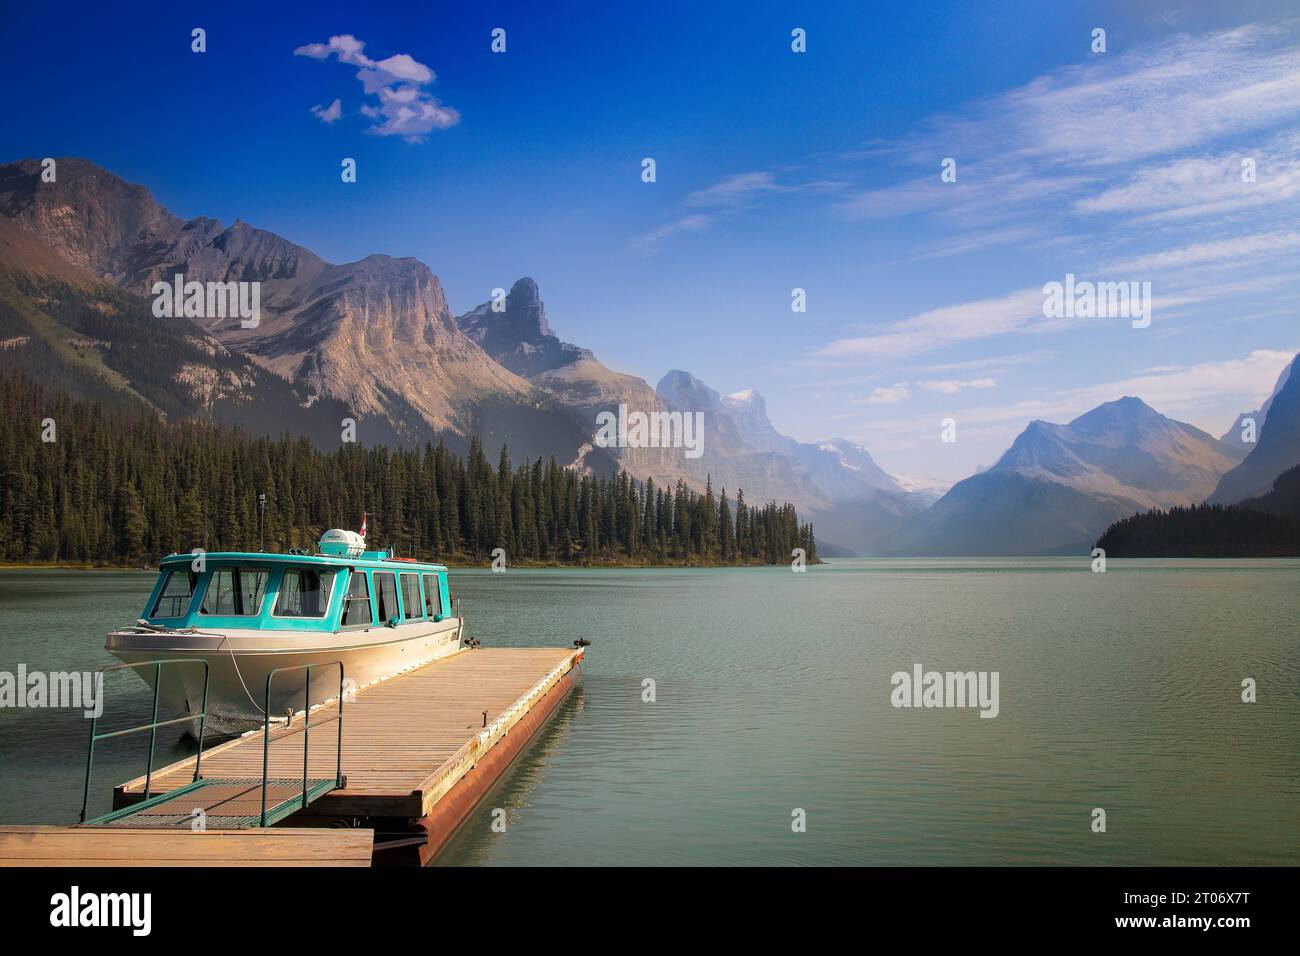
(376, 341)
(1058, 486)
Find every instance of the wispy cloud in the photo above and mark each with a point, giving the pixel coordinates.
(398, 106)
(735, 192)
(696, 222)
(1204, 185)
(1252, 248)
(1154, 100)
(328, 114)
(980, 240)
(996, 363)
(723, 200)
(886, 395)
(951, 386)
(1196, 393)
(942, 326)
(1069, 140)
(1021, 312)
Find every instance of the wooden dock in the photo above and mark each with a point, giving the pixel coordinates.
(118, 847)
(420, 750)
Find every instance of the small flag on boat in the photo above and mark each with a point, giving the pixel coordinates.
(363, 524)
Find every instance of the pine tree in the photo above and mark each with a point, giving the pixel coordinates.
(118, 487)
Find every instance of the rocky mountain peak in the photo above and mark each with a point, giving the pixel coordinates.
(684, 391)
(518, 336)
(89, 216)
(525, 308)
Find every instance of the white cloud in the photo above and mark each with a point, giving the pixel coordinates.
(347, 47)
(980, 240)
(402, 108)
(1206, 185)
(996, 363)
(986, 191)
(734, 190)
(1206, 394)
(696, 222)
(886, 395)
(724, 199)
(943, 326)
(1193, 389)
(1170, 95)
(951, 386)
(1069, 141)
(1022, 312)
(328, 114)
(1251, 249)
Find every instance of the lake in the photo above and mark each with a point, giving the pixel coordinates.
(772, 695)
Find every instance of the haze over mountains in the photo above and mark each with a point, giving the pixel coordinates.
(1058, 486)
(742, 449)
(1277, 447)
(376, 340)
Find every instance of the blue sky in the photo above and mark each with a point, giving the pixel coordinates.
(775, 170)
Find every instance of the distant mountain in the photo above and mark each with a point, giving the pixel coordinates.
(935, 487)
(738, 425)
(1058, 486)
(79, 334)
(375, 336)
(742, 449)
(1277, 448)
(1233, 435)
(518, 336)
(835, 483)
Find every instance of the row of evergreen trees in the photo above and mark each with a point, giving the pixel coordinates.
(1204, 531)
(113, 488)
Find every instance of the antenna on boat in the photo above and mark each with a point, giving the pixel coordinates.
(261, 521)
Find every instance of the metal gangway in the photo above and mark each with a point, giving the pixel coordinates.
(219, 803)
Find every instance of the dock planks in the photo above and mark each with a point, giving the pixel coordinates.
(407, 740)
(117, 847)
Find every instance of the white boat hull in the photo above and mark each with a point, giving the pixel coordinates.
(239, 662)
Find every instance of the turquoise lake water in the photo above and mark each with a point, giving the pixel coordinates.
(772, 694)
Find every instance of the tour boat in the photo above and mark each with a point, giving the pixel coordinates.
(250, 613)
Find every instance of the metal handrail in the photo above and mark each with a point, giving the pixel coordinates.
(152, 726)
(307, 725)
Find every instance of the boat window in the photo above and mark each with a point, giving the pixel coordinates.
(304, 592)
(386, 595)
(235, 592)
(432, 596)
(411, 597)
(356, 606)
(174, 598)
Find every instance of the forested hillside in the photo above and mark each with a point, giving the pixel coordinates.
(118, 487)
(1263, 527)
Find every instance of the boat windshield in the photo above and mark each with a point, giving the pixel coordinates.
(177, 590)
(235, 592)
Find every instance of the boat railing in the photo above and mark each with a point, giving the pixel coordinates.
(152, 726)
(307, 789)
